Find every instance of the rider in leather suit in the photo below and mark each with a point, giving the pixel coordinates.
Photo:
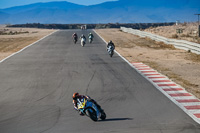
(77, 96)
(110, 43)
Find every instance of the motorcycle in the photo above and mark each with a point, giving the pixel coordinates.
(110, 50)
(83, 42)
(75, 40)
(90, 39)
(89, 109)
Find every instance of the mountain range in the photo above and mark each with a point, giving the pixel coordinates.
(121, 11)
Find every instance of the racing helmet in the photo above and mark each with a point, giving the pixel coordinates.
(75, 95)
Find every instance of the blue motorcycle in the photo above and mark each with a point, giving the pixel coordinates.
(89, 109)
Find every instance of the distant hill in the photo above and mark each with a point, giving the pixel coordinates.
(122, 11)
(4, 17)
(92, 26)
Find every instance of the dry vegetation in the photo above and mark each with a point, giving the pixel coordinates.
(179, 65)
(14, 39)
(189, 31)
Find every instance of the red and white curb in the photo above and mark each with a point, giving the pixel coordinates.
(186, 101)
(177, 94)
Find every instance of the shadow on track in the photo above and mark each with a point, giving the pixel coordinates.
(116, 119)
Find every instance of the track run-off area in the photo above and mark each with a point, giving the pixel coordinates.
(37, 83)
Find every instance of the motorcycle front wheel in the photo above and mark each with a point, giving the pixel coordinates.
(82, 44)
(90, 41)
(111, 54)
(92, 114)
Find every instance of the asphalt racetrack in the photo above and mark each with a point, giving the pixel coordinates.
(36, 87)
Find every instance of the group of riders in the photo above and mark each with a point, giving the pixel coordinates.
(90, 37)
(75, 37)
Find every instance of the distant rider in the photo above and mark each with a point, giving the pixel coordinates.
(90, 36)
(77, 96)
(75, 36)
(83, 37)
(110, 43)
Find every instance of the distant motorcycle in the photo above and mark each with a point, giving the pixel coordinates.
(83, 42)
(89, 109)
(110, 50)
(75, 40)
(90, 39)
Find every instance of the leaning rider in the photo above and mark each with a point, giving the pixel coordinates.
(77, 96)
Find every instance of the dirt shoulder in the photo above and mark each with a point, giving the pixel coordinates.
(179, 65)
(14, 39)
(182, 31)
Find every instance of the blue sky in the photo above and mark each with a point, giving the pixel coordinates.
(10, 3)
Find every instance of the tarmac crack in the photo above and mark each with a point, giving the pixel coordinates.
(90, 82)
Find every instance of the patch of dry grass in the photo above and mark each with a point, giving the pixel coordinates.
(189, 31)
(14, 39)
(193, 57)
(156, 66)
(15, 44)
(147, 42)
(175, 77)
(190, 87)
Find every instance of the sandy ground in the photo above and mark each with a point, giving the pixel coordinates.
(14, 39)
(180, 66)
(189, 31)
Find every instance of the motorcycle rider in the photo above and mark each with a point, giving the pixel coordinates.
(77, 96)
(82, 36)
(75, 36)
(83, 40)
(90, 35)
(110, 43)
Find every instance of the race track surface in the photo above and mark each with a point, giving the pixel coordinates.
(36, 87)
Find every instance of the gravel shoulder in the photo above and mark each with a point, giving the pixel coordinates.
(14, 39)
(179, 65)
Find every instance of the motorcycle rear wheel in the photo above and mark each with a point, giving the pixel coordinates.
(103, 115)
